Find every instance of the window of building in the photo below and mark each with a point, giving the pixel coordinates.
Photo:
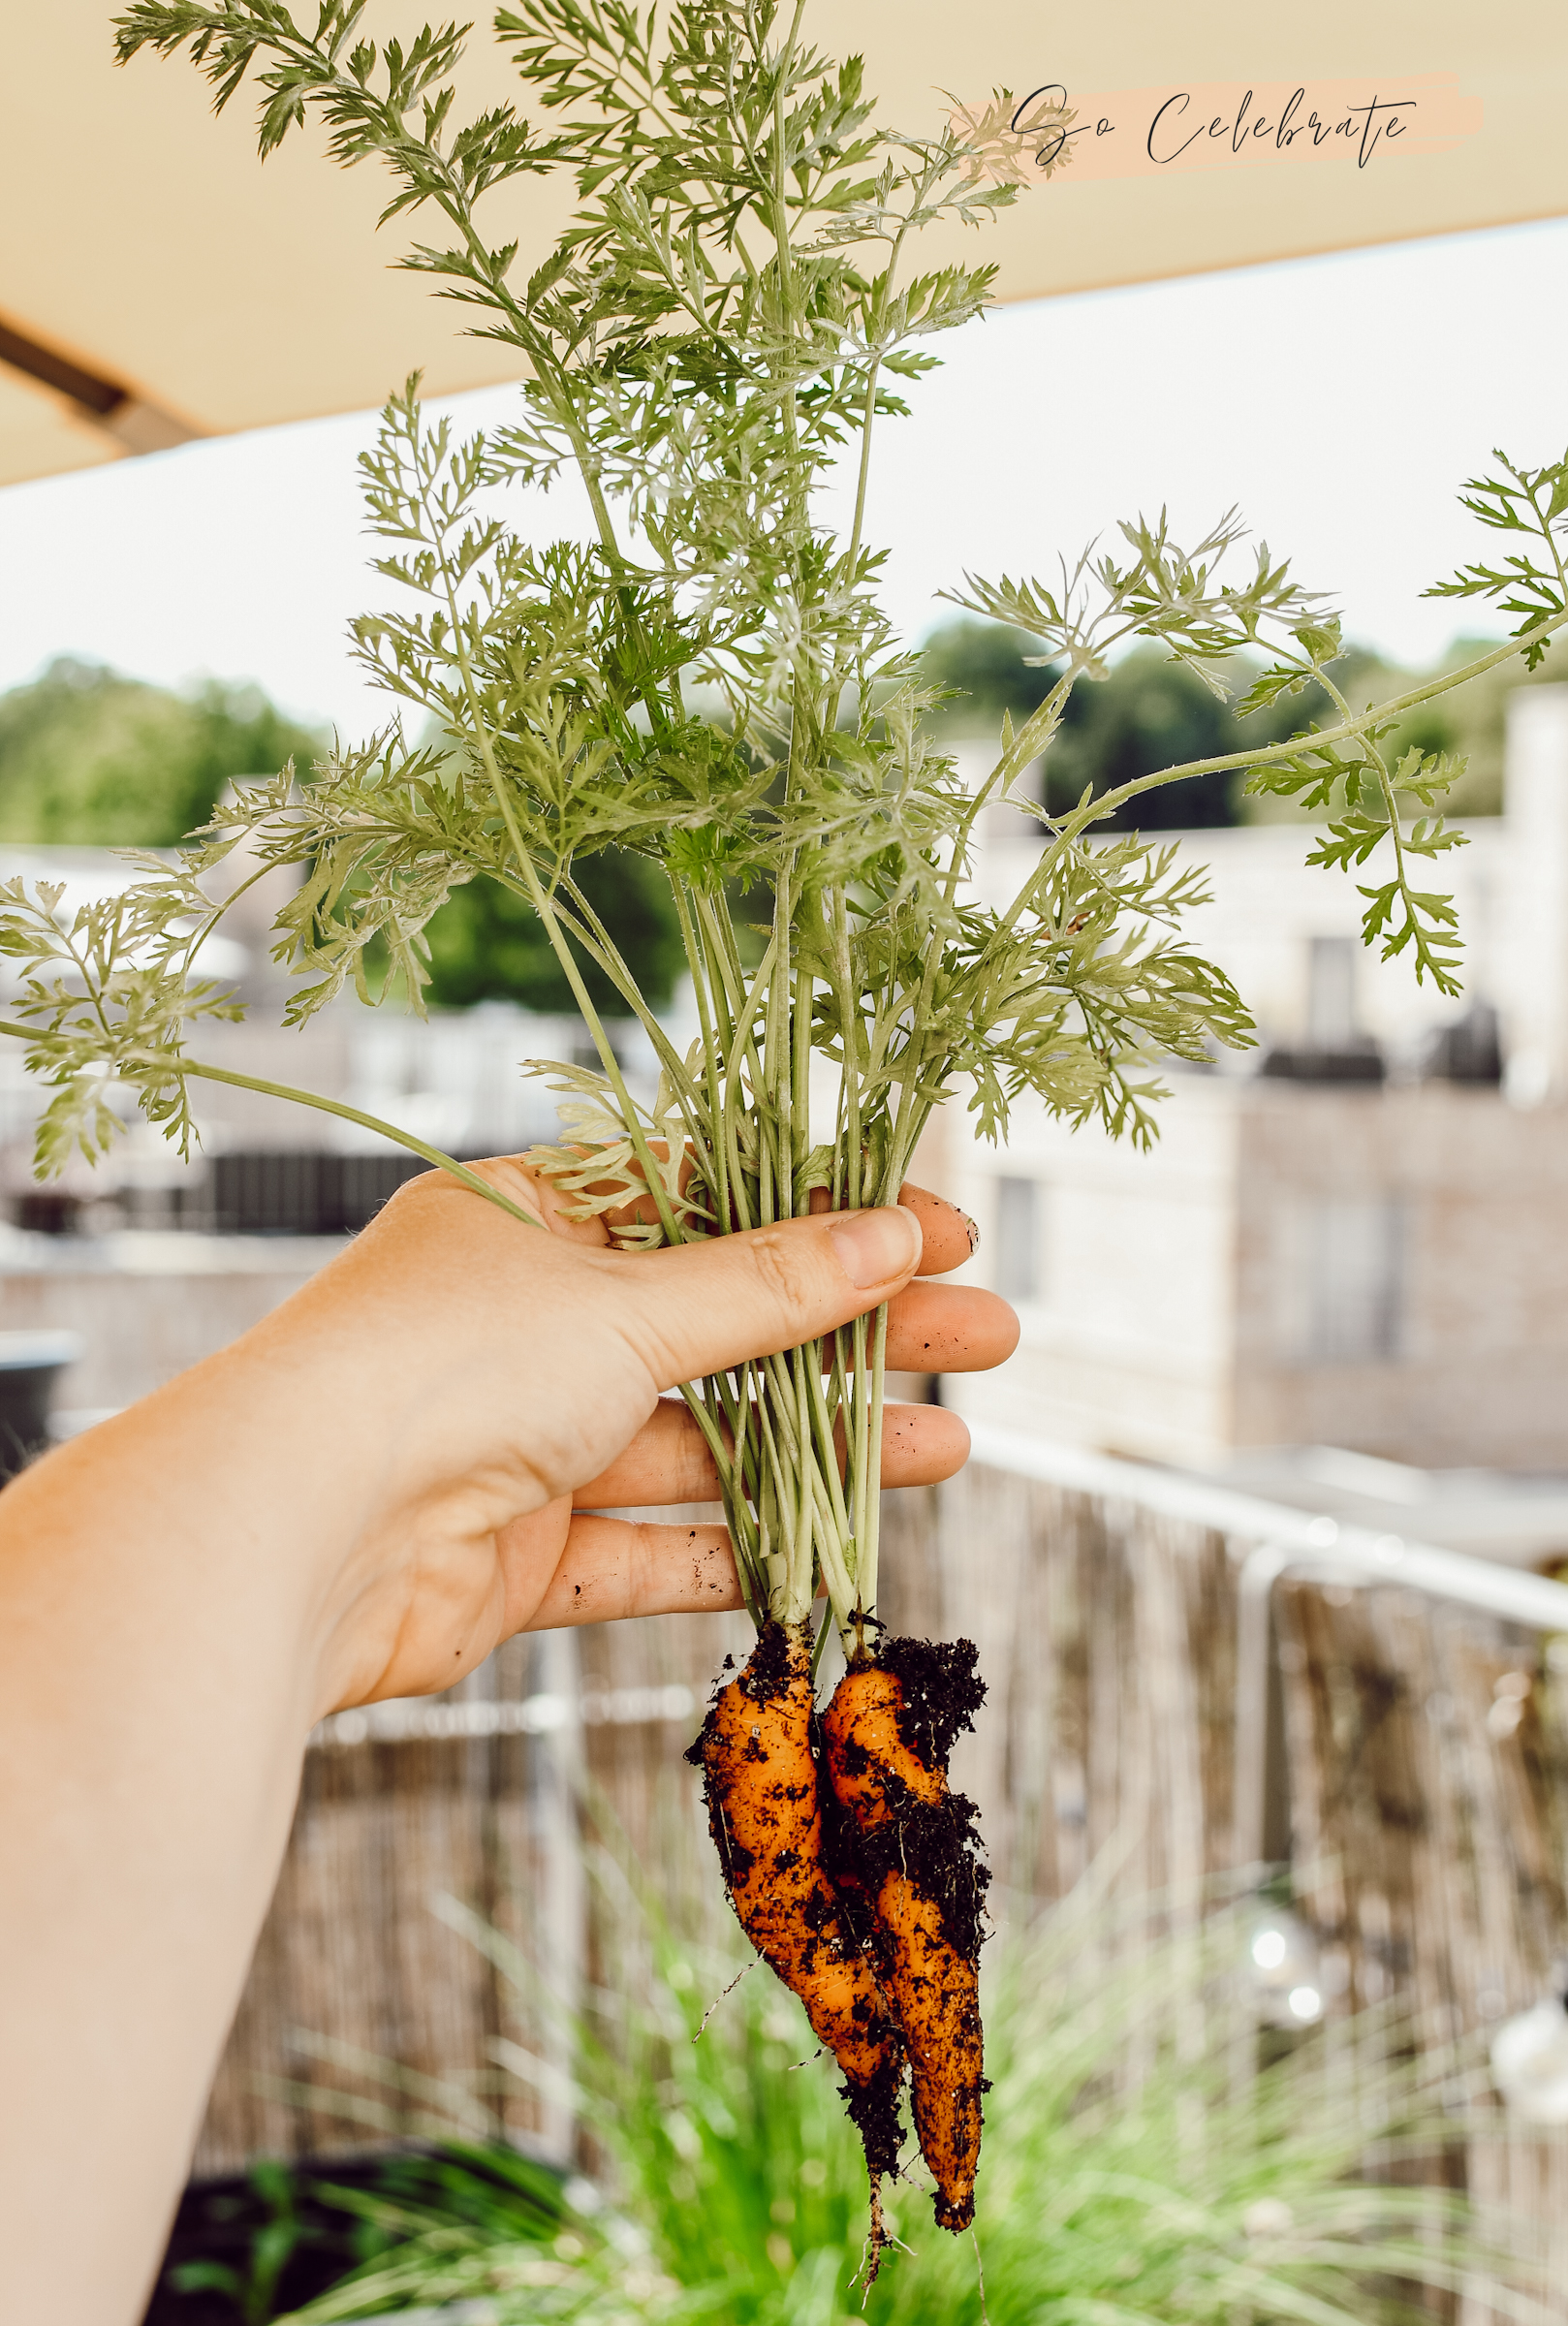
(1352, 1258)
(1330, 991)
(1017, 1239)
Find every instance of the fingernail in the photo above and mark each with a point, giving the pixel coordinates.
(874, 1247)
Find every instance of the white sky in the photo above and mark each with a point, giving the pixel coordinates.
(1340, 402)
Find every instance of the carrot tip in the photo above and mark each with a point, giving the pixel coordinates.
(876, 2241)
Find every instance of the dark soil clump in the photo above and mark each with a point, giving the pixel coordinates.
(943, 1691)
(936, 1842)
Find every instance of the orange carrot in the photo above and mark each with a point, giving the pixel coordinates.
(760, 1774)
(887, 1736)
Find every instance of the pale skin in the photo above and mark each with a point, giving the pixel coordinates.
(398, 1468)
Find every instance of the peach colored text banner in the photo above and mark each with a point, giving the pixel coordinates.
(1233, 125)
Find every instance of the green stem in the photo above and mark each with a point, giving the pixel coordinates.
(717, 1153)
(1390, 805)
(868, 1548)
(541, 904)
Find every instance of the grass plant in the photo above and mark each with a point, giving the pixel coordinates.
(1135, 2178)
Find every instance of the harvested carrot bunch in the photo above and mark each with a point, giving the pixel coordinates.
(856, 1872)
(908, 1845)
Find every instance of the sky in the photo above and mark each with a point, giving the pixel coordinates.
(1339, 402)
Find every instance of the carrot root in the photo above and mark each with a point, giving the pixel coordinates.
(912, 1845)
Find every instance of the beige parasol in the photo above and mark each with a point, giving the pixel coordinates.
(156, 284)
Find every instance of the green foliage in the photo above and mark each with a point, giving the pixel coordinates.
(1366, 792)
(89, 759)
(288, 2237)
(1187, 598)
(1532, 503)
(1129, 2176)
(107, 993)
(1375, 791)
(473, 2218)
(488, 944)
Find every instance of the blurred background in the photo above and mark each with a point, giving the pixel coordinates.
(1263, 1538)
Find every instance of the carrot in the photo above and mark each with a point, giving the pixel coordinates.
(760, 1774)
(887, 1736)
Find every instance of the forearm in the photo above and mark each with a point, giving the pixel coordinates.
(165, 1594)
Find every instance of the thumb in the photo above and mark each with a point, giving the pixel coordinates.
(704, 1306)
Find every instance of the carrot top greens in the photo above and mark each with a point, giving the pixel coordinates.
(735, 308)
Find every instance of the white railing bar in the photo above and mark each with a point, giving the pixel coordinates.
(1253, 1763)
(1318, 1544)
(415, 1720)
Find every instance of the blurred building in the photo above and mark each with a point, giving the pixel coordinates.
(1356, 1238)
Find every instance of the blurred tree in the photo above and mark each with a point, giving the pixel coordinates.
(1150, 713)
(488, 944)
(983, 664)
(91, 759)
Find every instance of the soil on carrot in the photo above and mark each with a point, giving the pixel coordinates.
(943, 1691)
(936, 1842)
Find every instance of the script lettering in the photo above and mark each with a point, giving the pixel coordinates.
(1163, 132)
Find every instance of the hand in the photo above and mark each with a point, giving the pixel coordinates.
(563, 1419)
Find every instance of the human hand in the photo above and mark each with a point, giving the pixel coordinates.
(542, 1359)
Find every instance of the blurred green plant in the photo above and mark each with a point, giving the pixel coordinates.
(244, 2252)
(1141, 2169)
(251, 2287)
(91, 759)
(488, 944)
(429, 2219)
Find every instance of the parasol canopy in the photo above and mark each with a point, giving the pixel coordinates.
(157, 284)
